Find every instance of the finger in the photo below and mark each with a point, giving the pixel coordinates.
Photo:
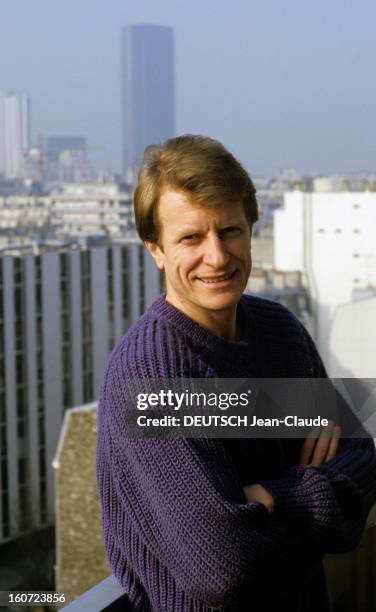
(308, 446)
(322, 446)
(323, 443)
(333, 448)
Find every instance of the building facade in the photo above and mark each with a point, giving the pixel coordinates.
(66, 160)
(284, 287)
(70, 210)
(14, 133)
(148, 90)
(352, 340)
(329, 237)
(62, 310)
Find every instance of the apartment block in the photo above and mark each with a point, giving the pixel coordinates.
(63, 307)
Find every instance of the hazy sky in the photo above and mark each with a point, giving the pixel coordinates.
(283, 83)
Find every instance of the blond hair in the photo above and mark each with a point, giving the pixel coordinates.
(199, 166)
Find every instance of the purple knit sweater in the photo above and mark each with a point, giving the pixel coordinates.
(178, 533)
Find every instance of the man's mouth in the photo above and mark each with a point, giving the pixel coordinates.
(218, 279)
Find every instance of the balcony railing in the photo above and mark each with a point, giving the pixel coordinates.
(106, 596)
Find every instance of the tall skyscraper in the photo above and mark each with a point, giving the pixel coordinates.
(148, 88)
(14, 133)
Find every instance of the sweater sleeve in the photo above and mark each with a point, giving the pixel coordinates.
(182, 500)
(333, 500)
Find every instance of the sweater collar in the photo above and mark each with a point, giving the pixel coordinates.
(238, 352)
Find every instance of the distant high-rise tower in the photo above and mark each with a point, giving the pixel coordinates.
(14, 133)
(148, 87)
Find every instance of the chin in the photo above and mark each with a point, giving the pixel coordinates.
(221, 302)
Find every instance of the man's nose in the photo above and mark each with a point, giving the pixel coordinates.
(216, 254)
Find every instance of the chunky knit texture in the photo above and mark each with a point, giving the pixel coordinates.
(178, 533)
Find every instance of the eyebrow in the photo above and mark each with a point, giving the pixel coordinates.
(189, 230)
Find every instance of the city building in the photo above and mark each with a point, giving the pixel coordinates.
(352, 339)
(69, 210)
(284, 287)
(66, 160)
(14, 133)
(329, 238)
(345, 182)
(148, 90)
(63, 306)
(271, 190)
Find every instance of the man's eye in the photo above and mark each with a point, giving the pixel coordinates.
(191, 237)
(231, 230)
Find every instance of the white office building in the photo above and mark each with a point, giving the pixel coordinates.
(61, 312)
(330, 238)
(352, 340)
(14, 133)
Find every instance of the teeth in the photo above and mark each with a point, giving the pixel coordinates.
(216, 280)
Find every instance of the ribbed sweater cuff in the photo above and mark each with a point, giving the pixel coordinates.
(296, 491)
(358, 462)
(303, 487)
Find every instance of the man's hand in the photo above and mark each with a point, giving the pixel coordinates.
(321, 445)
(256, 493)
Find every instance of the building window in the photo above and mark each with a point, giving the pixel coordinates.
(21, 391)
(5, 508)
(86, 322)
(21, 430)
(43, 501)
(22, 470)
(125, 289)
(40, 373)
(65, 321)
(38, 286)
(38, 302)
(42, 462)
(110, 300)
(41, 435)
(20, 344)
(24, 500)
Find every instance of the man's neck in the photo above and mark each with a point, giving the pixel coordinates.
(221, 323)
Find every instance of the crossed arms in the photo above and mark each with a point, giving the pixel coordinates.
(320, 446)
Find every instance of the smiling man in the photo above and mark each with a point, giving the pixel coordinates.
(206, 257)
(203, 524)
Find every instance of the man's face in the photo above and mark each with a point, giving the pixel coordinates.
(205, 253)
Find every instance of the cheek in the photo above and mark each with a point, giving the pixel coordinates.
(185, 264)
(243, 252)
(246, 258)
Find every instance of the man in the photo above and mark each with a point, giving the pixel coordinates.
(204, 524)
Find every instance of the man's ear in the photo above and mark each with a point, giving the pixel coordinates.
(156, 252)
